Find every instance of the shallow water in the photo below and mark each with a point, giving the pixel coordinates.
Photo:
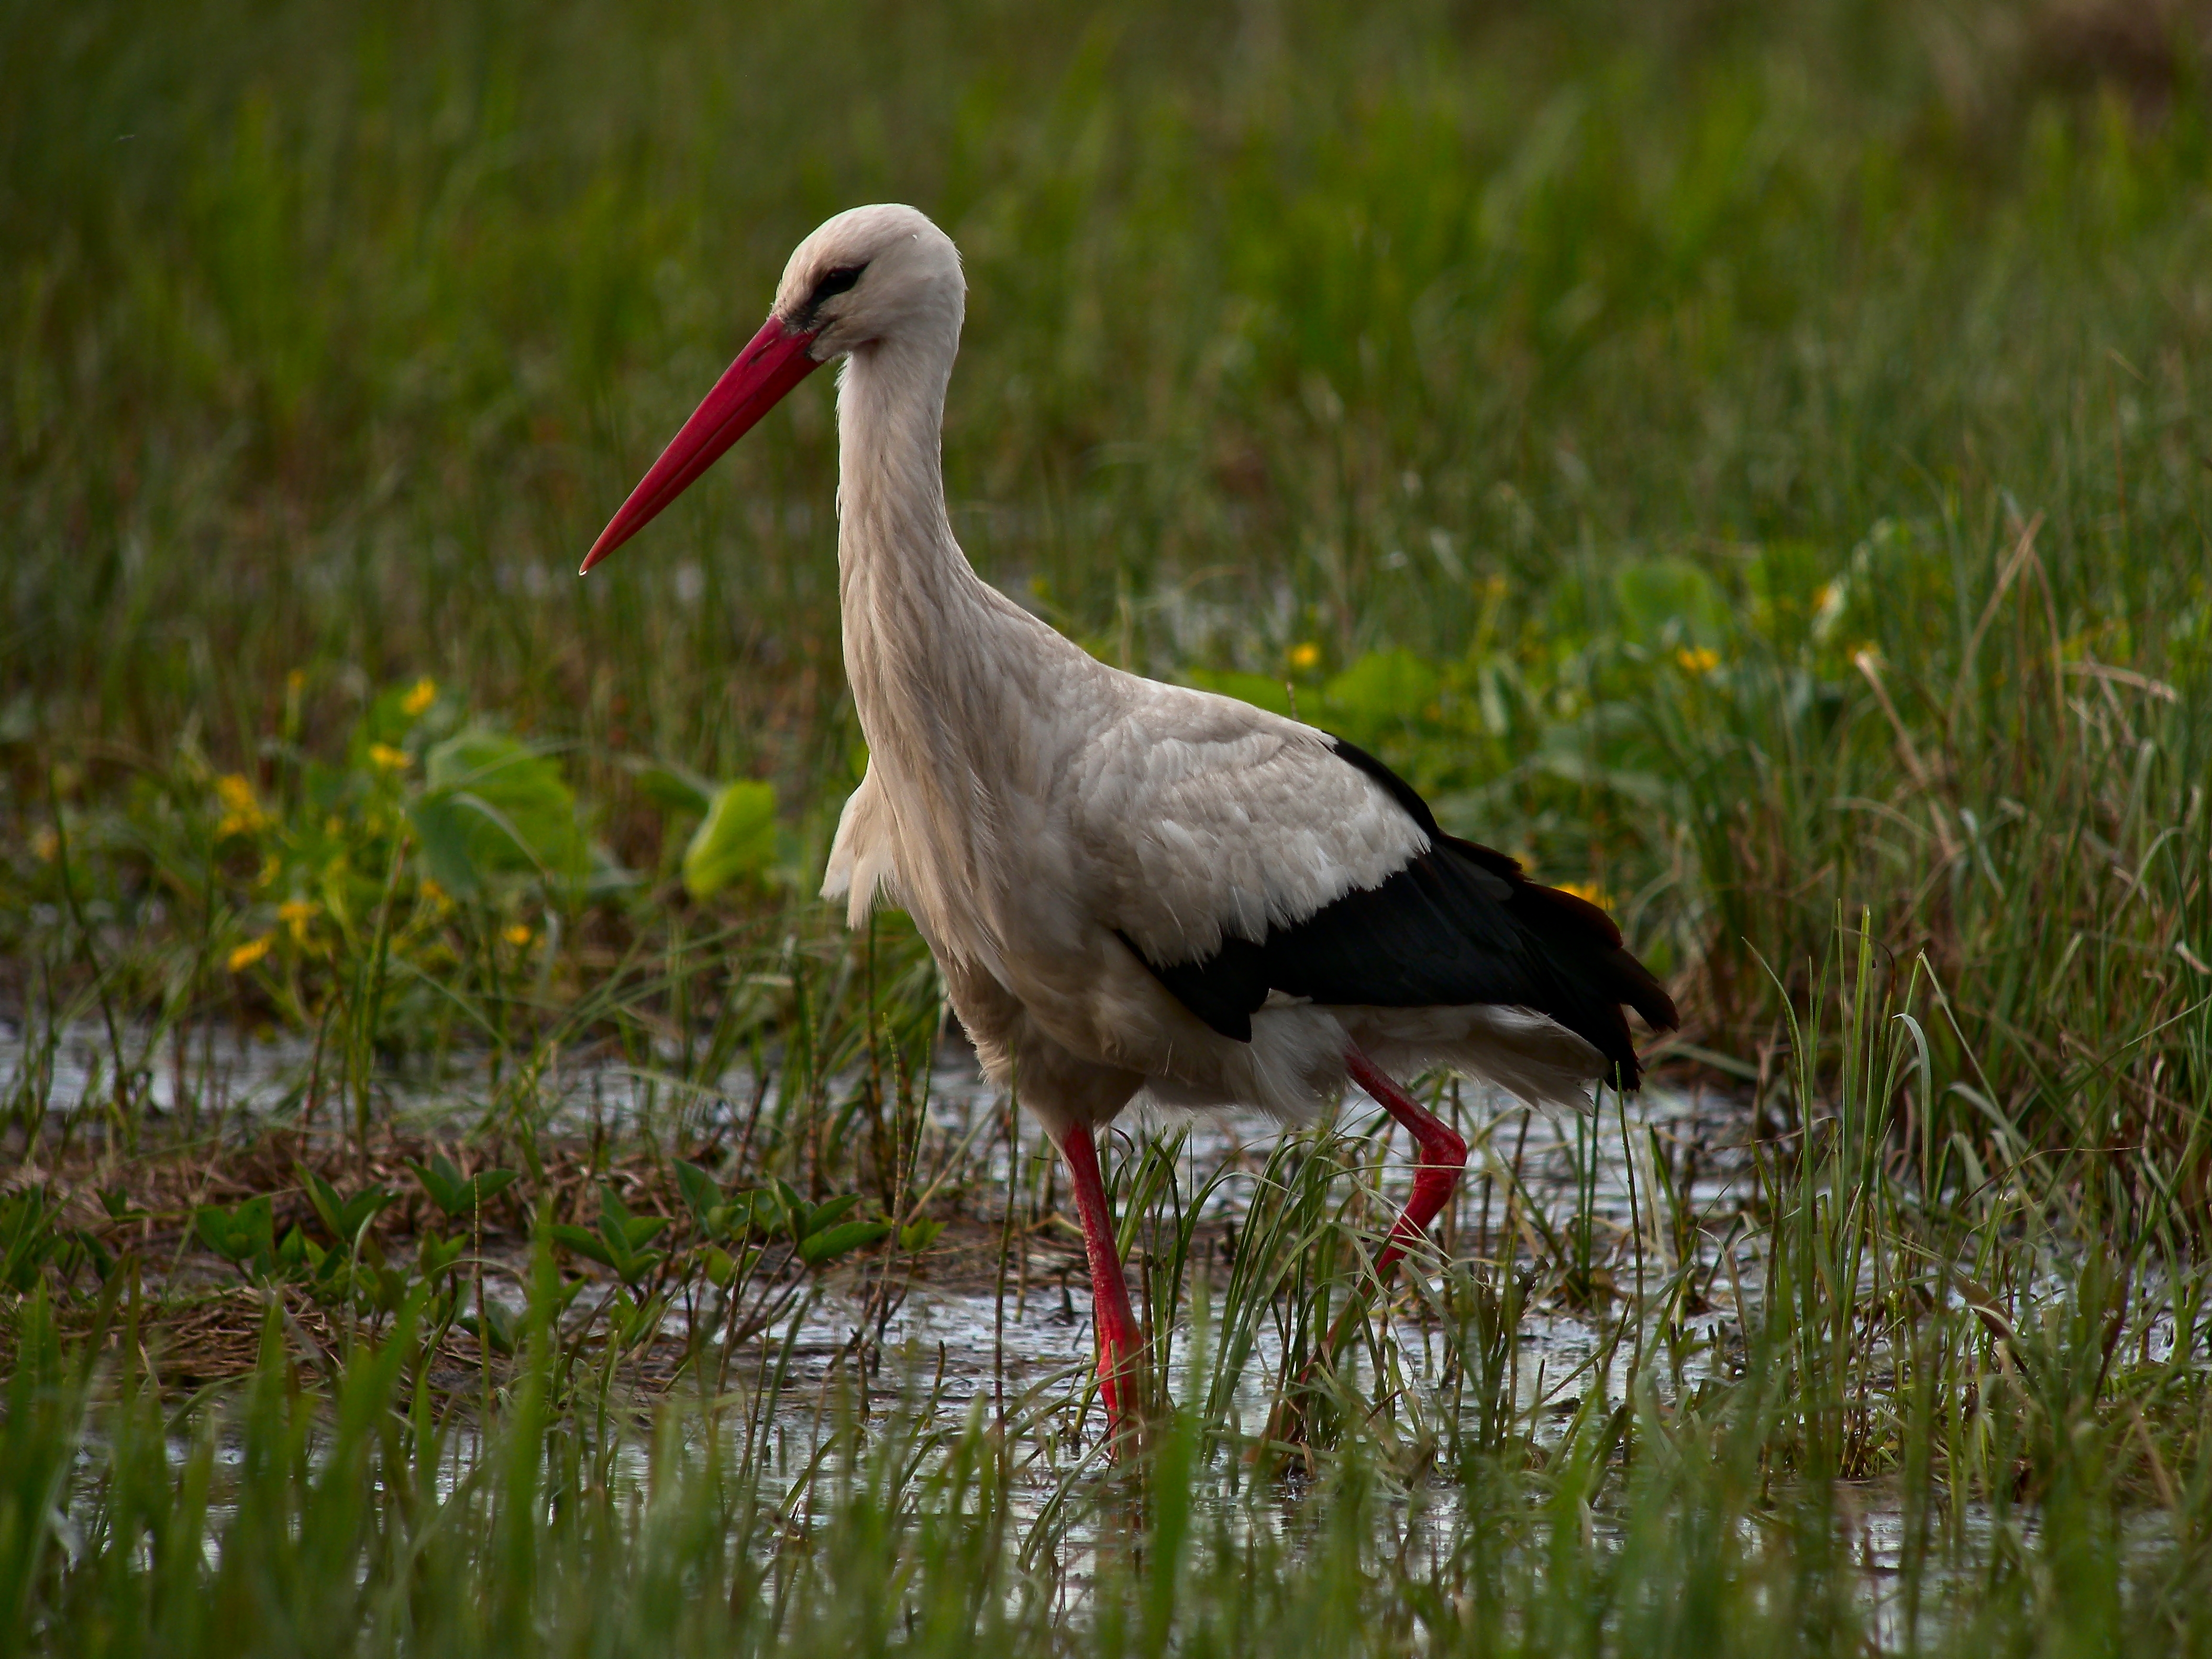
(1038, 1322)
(1020, 1349)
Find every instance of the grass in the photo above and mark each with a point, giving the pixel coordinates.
(1754, 465)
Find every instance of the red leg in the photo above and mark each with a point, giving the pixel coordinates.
(1443, 1154)
(1442, 1158)
(1120, 1343)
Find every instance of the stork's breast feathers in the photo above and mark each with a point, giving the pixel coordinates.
(1201, 819)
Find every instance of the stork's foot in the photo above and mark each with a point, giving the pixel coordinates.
(1120, 1342)
(1120, 1370)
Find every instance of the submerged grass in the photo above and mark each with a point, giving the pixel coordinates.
(1752, 464)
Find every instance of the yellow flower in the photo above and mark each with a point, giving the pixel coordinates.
(434, 894)
(1304, 655)
(295, 681)
(1590, 891)
(391, 759)
(242, 814)
(46, 844)
(519, 934)
(296, 914)
(1698, 659)
(250, 953)
(420, 697)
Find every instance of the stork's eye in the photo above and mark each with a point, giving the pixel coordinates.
(836, 281)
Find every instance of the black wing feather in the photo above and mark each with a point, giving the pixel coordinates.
(1459, 925)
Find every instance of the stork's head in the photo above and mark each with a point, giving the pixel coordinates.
(870, 276)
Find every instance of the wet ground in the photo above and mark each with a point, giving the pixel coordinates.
(1000, 1304)
(1647, 1197)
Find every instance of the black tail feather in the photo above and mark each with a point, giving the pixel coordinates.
(1460, 925)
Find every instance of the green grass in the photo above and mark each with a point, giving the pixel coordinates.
(1753, 462)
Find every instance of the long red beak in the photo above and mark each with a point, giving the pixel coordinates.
(767, 369)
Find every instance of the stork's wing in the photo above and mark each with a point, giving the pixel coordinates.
(1202, 818)
(1294, 854)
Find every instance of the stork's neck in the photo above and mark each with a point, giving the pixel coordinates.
(952, 681)
(894, 539)
(923, 635)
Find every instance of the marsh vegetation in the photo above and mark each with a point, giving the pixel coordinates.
(1751, 463)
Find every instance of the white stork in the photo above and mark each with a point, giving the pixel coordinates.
(1132, 888)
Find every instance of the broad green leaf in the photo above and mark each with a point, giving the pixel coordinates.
(735, 841)
(437, 1255)
(673, 789)
(700, 1192)
(830, 1210)
(293, 1252)
(746, 1213)
(342, 1218)
(633, 1321)
(213, 1226)
(640, 1229)
(487, 1184)
(324, 1198)
(236, 1234)
(1668, 601)
(584, 1243)
(1381, 688)
(611, 1208)
(783, 1197)
(919, 1236)
(443, 830)
(493, 807)
(490, 1326)
(834, 1241)
(440, 1180)
(117, 1203)
(623, 1231)
(456, 1194)
(255, 1221)
(556, 1303)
